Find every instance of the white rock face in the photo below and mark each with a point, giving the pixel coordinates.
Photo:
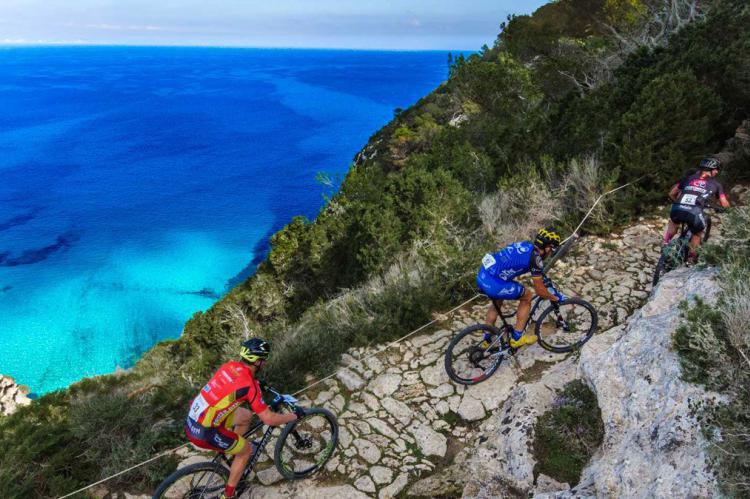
(12, 396)
(504, 456)
(653, 445)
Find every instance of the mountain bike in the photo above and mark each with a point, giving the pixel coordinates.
(477, 351)
(675, 253)
(303, 447)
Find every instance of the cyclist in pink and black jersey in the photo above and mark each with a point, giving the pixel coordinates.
(689, 197)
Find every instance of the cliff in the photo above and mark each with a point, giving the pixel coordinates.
(524, 133)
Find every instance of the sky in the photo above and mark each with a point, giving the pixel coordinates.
(358, 24)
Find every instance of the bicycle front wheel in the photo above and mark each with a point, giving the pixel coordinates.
(567, 326)
(305, 445)
(196, 481)
(661, 268)
(474, 354)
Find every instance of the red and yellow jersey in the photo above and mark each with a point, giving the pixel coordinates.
(231, 385)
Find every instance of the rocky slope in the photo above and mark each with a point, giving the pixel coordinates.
(406, 429)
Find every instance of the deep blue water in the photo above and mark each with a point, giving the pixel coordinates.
(138, 184)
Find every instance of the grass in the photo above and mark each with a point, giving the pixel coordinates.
(567, 436)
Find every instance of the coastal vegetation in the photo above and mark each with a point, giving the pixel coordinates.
(566, 436)
(569, 102)
(714, 347)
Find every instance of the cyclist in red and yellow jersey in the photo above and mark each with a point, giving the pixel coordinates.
(217, 422)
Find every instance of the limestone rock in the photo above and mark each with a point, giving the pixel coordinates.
(471, 409)
(653, 446)
(430, 442)
(12, 395)
(367, 450)
(395, 488)
(385, 384)
(350, 379)
(434, 375)
(269, 476)
(305, 490)
(398, 409)
(364, 483)
(381, 475)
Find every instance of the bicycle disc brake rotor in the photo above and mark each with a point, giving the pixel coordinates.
(303, 443)
(476, 356)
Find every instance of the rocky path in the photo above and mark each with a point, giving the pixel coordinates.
(404, 425)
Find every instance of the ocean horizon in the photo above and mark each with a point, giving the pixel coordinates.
(140, 183)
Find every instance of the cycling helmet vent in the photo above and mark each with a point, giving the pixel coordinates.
(708, 164)
(254, 350)
(548, 237)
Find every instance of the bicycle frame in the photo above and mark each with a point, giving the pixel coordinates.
(535, 303)
(222, 458)
(279, 399)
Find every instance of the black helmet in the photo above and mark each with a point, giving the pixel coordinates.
(547, 237)
(708, 164)
(254, 350)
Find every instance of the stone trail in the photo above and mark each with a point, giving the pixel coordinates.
(404, 426)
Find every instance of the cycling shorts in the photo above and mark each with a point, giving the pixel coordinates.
(694, 219)
(498, 289)
(218, 438)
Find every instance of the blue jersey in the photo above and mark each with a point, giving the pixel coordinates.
(513, 260)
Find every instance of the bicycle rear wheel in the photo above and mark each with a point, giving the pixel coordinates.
(567, 326)
(305, 445)
(474, 354)
(196, 481)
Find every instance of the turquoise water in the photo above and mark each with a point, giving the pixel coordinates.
(139, 184)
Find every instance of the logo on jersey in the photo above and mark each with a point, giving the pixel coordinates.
(207, 388)
(521, 247)
(488, 261)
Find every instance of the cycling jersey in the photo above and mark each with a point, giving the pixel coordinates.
(514, 260)
(695, 191)
(495, 276)
(212, 410)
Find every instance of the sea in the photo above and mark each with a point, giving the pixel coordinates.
(139, 184)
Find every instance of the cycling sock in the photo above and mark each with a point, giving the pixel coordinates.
(516, 335)
(229, 491)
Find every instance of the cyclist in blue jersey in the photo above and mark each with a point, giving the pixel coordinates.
(495, 279)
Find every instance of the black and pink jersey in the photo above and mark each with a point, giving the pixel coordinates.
(696, 190)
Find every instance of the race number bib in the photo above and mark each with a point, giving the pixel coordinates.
(688, 199)
(488, 261)
(199, 405)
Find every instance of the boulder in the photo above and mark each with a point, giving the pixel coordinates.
(653, 445)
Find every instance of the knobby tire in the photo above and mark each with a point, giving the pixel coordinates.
(455, 341)
(196, 468)
(330, 446)
(584, 338)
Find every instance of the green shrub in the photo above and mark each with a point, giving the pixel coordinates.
(713, 342)
(567, 436)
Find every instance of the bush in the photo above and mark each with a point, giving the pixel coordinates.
(567, 436)
(714, 347)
